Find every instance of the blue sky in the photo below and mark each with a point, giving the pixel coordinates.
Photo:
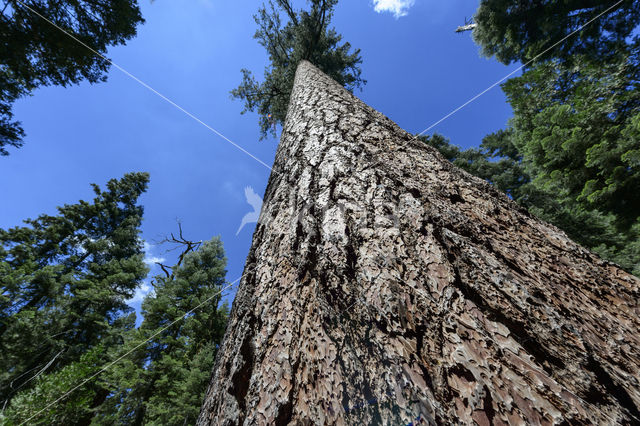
(417, 69)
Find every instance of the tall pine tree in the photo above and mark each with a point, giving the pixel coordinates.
(65, 282)
(304, 35)
(164, 382)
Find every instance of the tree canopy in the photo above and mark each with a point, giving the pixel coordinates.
(65, 281)
(577, 127)
(157, 373)
(33, 53)
(165, 380)
(571, 152)
(518, 30)
(289, 36)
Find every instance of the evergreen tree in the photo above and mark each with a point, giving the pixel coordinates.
(574, 131)
(33, 53)
(65, 281)
(164, 382)
(39, 404)
(304, 36)
(322, 333)
(576, 126)
(518, 30)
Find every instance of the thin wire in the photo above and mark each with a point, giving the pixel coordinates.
(148, 87)
(14, 390)
(183, 316)
(39, 372)
(516, 70)
(261, 162)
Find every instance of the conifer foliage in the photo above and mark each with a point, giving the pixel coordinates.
(65, 282)
(518, 30)
(304, 35)
(34, 53)
(571, 152)
(164, 382)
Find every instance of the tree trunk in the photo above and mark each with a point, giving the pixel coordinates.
(386, 286)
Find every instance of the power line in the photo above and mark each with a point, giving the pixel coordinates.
(145, 85)
(177, 320)
(517, 69)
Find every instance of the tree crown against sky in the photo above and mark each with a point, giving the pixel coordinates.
(571, 151)
(65, 282)
(34, 53)
(160, 382)
(164, 381)
(304, 35)
(519, 30)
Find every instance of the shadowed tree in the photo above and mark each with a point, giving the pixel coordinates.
(576, 117)
(65, 280)
(519, 30)
(34, 53)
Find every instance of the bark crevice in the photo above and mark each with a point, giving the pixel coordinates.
(384, 284)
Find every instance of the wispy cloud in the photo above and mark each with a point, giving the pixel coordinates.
(152, 260)
(397, 7)
(144, 289)
(149, 258)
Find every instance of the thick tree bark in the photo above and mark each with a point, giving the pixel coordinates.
(385, 285)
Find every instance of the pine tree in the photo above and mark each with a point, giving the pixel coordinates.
(164, 382)
(65, 281)
(384, 284)
(306, 35)
(518, 30)
(575, 126)
(576, 116)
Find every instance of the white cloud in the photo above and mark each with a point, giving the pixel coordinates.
(397, 7)
(144, 289)
(150, 259)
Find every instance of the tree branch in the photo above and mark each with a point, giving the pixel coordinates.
(290, 12)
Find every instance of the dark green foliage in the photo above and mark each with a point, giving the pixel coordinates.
(518, 30)
(165, 380)
(574, 137)
(305, 35)
(577, 127)
(11, 132)
(65, 280)
(40, 406)
(48, 388)
(33, 53)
